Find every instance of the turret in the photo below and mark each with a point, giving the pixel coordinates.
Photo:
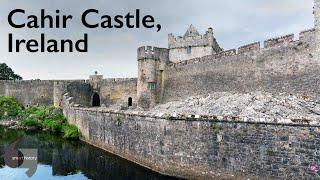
(151, 65)
(95, 80)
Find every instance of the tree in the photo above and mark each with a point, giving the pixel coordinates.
(6, 73)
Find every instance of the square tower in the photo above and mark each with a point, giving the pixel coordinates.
(192, 45)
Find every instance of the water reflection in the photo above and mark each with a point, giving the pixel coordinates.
(61, 159)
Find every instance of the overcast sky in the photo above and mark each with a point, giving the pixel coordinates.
(113, 52)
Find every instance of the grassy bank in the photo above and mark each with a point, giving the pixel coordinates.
(44, 118)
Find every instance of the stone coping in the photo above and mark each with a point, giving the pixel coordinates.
(194, 117)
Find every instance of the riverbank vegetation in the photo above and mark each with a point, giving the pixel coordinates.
(44, 118)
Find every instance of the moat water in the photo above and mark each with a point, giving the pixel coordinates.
(62, 159)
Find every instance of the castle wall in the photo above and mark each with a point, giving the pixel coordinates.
(117, 91)
(203, 149)
(282, 65)
(37, 92)
(29, 92)
(80, 91)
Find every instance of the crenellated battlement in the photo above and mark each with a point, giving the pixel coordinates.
(119, 80)
(149, 52)
(283, 40)
(230, 52)
(249, 47)
(190, 41)
(278, 42)
(307, 35)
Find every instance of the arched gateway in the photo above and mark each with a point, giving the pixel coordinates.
(95, 100)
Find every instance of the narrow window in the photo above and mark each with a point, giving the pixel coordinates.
(152, 86)
(129, 101)
(189, 50)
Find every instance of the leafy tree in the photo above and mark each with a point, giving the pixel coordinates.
(6, 73)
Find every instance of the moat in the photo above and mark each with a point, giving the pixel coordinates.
(62, 159)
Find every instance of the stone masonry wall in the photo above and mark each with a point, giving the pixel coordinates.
(37, 92)
(50, 92)
(117, 91)
(29, 92)
(181, 54)
(203, 149)
(81, 93)
(282, 65)
(201, 45)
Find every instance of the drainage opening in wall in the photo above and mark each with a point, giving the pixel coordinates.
(129, 101)
(95, 100)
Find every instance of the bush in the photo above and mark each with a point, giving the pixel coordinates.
(70, 132)
(52, 125)
(30, 122)
(28, 112)
(9, 108)
(48, 118)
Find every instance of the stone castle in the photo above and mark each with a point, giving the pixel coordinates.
(192, 65)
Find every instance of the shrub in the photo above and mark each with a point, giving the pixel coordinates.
(41, 113)
(59, 117)
(9, 107)
(52, 125)
(28, 112)
(48, 118)
(70, 132)
(30, 122)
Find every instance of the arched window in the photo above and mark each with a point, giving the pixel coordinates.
(129, 101)
(95, 100)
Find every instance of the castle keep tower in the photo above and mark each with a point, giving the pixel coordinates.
(192, 45)
(151, 64)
